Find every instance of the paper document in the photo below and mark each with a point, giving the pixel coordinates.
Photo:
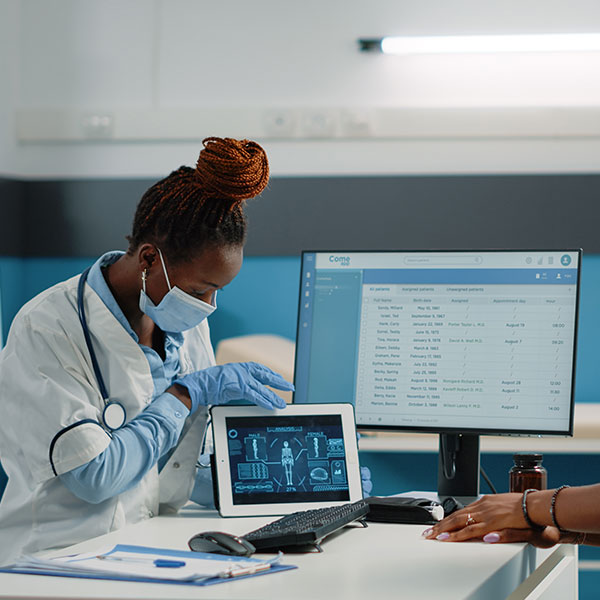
(141, 563)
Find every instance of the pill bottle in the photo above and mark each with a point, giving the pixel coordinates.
(527, 473)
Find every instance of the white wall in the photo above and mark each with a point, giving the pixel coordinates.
(9, 20)
(228, 67)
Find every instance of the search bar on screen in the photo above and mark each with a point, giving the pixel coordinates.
(444, 260)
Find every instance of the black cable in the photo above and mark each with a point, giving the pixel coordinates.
(487, 480)
(448, 455)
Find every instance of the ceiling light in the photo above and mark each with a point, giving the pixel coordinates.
(468, 44)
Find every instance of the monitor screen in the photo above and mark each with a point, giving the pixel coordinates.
(441, 341)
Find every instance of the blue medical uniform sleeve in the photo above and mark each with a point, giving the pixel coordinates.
(132, 452)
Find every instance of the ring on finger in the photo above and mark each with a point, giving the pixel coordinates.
(470, 520)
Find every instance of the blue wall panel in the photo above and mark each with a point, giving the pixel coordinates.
(263, 299)
(41, 273)
(395, 472)
(587, 381)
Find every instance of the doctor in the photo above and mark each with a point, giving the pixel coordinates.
(105, 378)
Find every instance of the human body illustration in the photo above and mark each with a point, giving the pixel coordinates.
(287, 461)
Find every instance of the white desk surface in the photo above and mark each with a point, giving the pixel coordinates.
(382, 561)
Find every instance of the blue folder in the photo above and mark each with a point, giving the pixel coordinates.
(181, 554)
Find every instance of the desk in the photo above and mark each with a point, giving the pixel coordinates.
(382, 561)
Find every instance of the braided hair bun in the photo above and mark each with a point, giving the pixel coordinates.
(193, 208)
(232, 169)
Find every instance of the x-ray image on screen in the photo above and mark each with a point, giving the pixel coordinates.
(290, 459)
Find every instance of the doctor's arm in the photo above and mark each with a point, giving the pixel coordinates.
(137, 446)
(133, 451)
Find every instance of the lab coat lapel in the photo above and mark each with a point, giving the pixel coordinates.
(123, 364)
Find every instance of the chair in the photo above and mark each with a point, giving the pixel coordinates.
(273, 351)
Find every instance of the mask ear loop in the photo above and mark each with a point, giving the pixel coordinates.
(162, 260)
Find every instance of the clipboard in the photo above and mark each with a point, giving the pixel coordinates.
(234, 567)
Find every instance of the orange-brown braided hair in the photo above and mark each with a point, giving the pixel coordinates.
(195, 208)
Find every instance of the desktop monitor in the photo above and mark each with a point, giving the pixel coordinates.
(459, 343)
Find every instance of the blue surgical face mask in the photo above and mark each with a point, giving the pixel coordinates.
(177, 311)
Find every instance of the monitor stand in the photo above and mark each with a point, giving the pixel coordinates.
(458, 467)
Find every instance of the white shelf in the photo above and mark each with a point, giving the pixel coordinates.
(112, 124)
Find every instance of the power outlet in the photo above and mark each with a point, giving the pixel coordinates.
(97, 126)
(355, 123)
(279, 123)
(319, 123)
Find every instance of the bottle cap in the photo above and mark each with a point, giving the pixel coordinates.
(527, 458)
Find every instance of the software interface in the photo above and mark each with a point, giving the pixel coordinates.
(287, 459)
(481, 340)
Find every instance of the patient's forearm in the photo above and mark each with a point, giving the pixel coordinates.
(576, 508)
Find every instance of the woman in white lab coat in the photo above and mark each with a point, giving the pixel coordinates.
(90, 448)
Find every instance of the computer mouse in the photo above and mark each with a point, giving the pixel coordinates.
(220, 542)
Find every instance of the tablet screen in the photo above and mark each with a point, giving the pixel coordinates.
(290, 459)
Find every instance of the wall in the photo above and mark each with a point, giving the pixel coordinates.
(156, 58)
(9, 63)
(84, 217)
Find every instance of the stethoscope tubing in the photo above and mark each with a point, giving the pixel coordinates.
(113, 415)
(86, 334)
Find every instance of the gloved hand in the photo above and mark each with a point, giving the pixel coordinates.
(367, 484)
(365, 475)
(235, 381)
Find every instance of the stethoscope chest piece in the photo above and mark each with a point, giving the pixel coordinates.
(114, 415)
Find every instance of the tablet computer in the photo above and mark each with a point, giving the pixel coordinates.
(275, 462)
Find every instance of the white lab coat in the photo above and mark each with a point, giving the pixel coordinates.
(51, 412)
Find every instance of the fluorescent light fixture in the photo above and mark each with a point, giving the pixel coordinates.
(469, 44)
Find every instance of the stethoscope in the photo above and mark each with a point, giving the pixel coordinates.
(113, 415)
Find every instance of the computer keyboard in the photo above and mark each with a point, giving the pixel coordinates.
(306, 527)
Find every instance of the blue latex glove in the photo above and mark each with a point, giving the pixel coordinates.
(367, 484)
(365, 476)
(235, 381)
